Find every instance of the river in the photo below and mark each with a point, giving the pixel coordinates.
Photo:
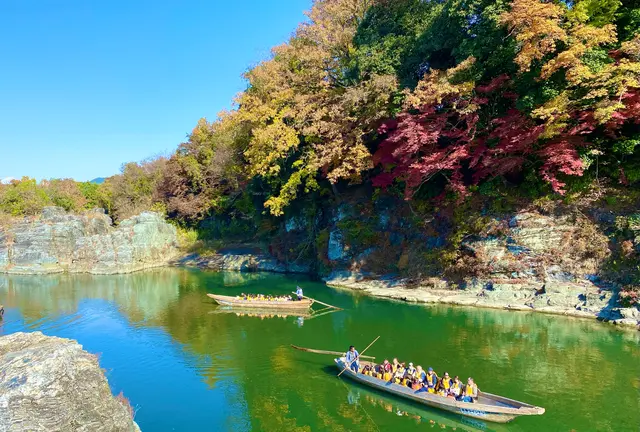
(186, 365)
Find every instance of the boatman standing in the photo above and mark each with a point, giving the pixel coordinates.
(352, 357)
(299, 293)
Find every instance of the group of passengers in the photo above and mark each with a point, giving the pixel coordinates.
(262, 297)
(415, 378)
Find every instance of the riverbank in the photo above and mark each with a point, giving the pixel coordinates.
(582, 300)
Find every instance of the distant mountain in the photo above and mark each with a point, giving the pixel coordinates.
(7, 180)
(97, 180)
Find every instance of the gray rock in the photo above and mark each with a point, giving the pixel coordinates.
(59, 242)
(630, 313)
(52, 384)
(335, 250)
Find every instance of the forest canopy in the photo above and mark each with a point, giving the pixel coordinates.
(436, 99)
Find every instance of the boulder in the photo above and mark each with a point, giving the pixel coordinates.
(86, 243)
(52, 384)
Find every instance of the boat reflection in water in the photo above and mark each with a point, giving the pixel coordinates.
(300, 314)
(365, 398)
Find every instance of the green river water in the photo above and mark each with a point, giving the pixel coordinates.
(187, 366)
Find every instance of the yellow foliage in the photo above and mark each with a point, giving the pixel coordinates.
(437, 85)
(537, 27)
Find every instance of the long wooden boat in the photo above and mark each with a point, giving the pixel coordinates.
(303, 304)
(488, 407)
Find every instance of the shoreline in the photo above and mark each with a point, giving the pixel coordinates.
(476, 298)
(573, 299)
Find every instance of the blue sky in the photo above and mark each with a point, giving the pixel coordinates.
(88, 85)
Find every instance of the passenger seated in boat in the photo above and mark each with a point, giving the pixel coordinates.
(431, 380)
(367, 370)
(456, 388)
(444, 384)
(398, 377)
(421, 375)
(416, 384)
(394, 365)
(411, 371)
(470, 391)
(386, 370)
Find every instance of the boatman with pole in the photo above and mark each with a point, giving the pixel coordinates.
(299, 293)
(353, 359)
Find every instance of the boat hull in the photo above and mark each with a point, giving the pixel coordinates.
(501, 413)
(303, 304)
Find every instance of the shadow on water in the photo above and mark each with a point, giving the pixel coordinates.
(357, 393)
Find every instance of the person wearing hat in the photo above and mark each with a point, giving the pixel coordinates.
(431, 381)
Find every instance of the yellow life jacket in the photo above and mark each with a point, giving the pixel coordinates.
(394, 367)
(432, 379)
(387, 376)
(446, 383)
(379, 375)
(468, 390)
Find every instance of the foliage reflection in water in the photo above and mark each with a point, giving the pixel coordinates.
(186, 365)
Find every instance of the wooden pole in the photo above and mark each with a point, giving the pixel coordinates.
(358, 356)
(318, 301)
(315, 351)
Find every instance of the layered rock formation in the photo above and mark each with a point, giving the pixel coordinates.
(58, 242)
(52, 384)
(530, 262)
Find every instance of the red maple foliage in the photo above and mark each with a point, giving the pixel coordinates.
(450, 140)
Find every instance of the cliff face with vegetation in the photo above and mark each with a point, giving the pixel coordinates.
(52, 384)
(480, 143)
(85, 243)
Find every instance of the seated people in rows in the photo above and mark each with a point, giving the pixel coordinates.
(431, 381)
(469, 392)
(368, 370)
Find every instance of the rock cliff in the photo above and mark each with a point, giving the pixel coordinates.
(52, 384)
(58, 242)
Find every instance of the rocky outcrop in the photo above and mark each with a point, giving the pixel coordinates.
(52, 384)
(527, 261)
(579, 299)
(86, 243)
(242, 262)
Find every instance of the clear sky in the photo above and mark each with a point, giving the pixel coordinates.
(86, 85)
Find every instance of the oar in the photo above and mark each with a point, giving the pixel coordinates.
(358, 356)
(316, 351)
(318, 301)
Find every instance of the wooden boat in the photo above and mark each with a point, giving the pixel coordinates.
(488, 407)
(303, 304)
